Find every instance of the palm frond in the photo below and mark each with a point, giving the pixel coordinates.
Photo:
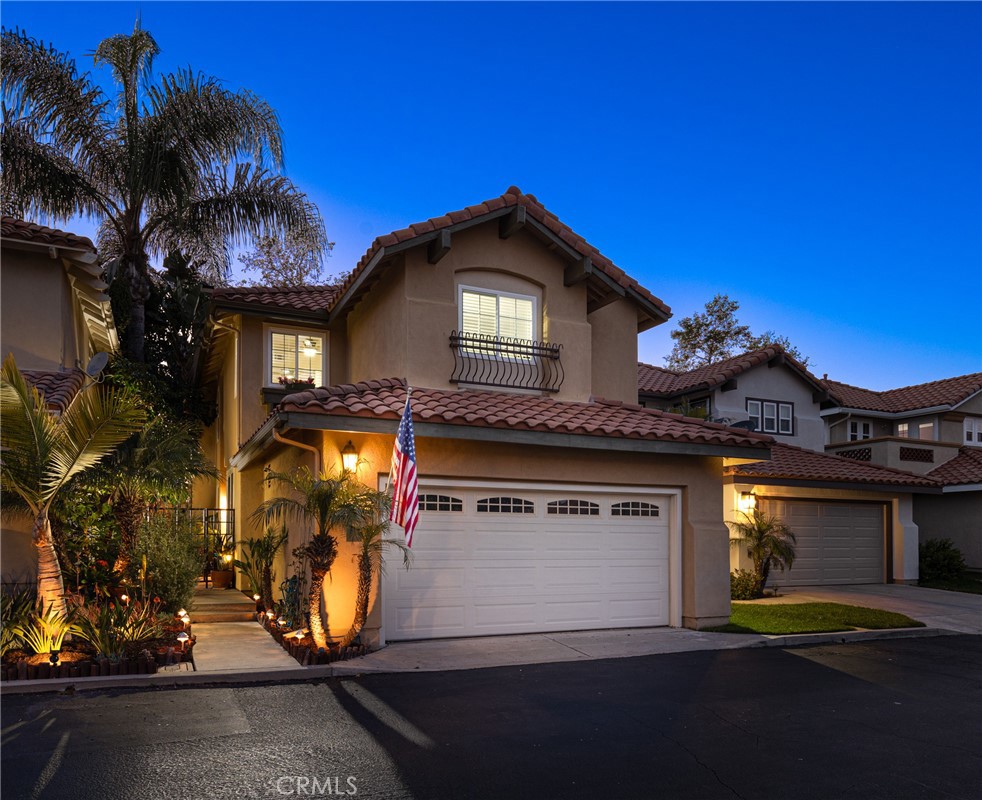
(130, 56)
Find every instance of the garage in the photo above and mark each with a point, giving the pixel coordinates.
(838, 542)
(500, 559)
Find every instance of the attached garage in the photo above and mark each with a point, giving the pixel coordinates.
(514, 558)
(837, 542)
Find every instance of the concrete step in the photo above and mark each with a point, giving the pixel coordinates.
(231, 615)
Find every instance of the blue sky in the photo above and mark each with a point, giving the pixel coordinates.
(818, 162)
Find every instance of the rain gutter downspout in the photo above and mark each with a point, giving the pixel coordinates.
(311, 448)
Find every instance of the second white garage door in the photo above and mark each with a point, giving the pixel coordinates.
(506, 560)
(838, 543)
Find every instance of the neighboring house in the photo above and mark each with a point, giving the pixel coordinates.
(54, 316)
(932, 429)
(917, 429)
(543, 507)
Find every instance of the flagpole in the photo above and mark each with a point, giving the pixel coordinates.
(388, 479)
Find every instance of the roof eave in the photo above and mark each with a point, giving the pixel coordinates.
(264, 310)
(804, 483)
(865, 412)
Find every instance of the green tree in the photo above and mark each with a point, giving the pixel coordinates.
(291, 261)
(716, 335)
(328, 502)
(182, 164)
(769, 542)
(42, 452)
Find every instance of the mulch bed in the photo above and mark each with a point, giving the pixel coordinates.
(303, 648)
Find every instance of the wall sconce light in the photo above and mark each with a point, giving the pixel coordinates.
(349, 457)
(747, 502)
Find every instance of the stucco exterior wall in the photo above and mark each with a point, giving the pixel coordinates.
(41, 335)
(956, 516)
(378, 331)
(614, 331)
(18, 555)
(838, 427)
(781, 385)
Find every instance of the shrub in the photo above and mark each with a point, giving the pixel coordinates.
(111, 626)
(16, 610)
(745, 585)
(173, 559)
(940, 560)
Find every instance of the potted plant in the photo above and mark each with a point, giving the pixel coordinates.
(295, 384)
(222, 572)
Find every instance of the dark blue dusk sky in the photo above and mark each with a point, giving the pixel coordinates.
(819, 162)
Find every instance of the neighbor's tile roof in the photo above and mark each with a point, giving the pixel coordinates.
(58, 388)
(513, 196)
(302, 298)
(946, 392)
(21, 230)
(964, 468)
(795, 463)
(660, 381)
(386, 399)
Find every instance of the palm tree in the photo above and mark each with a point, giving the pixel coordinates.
(371, 536)
(182, 165)
(328, 502)
(43, 452)
(157, 464)
(769, 542)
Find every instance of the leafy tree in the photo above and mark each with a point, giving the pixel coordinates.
(294, 260)
(42, 452)
(769, 542)
(328, 502)
(182, 164)
(716, 335)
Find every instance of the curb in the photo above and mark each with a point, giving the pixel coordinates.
(845, 637)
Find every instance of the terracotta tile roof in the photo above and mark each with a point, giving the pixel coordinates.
(659, 381)
(964, 468)
(946, 392)
(58, 388)
(512, 197)
(386, 398)
(304, 298)
(795, 463)
(20, 230)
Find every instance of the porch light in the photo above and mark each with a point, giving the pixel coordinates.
(747, 502)
(349, 457)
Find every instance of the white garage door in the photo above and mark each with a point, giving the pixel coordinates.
(838, 543)
(495, 561)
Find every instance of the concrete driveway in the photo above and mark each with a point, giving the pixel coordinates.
(953, 611)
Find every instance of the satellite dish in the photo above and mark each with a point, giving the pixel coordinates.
(96, 365)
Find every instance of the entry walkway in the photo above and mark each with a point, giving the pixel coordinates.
(952, 611)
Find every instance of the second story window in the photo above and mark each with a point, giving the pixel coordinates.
(903, 430)
(295, 357)
(490, 313)
(973, 431)
(772, 416)
(859, 431)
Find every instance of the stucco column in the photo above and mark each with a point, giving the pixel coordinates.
(906, 539)
(705, 560)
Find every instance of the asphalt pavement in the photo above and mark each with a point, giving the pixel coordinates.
(877, 719)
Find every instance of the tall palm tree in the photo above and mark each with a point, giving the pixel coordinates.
(371, 537)
(178, 165)
(769, 542)
(328, 502)
(158, 464)
(42, 452)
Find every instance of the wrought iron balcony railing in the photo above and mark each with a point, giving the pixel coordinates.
(499, 361)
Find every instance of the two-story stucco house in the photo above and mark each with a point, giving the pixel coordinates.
(54, 316)
(543, 506)
(855, 522)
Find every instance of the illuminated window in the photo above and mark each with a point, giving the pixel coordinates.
(295, 357)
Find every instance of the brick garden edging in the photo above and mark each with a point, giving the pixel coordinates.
(305, 655)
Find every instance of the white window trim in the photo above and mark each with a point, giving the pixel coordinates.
(864, 430)
(269, 330)
(776, 406)
(972, 425)
(536, 322)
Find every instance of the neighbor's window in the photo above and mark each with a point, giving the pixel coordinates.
(772, 416)
(903, 430)
(497, 314)
(925, 431)
(973, 431)
(859, 431)
(295, 357)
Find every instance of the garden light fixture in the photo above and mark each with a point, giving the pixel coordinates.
(183, 639)
(349, 457)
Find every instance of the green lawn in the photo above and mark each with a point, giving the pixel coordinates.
(970, 582)
(782, 618)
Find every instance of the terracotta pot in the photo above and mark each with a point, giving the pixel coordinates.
(222, 578)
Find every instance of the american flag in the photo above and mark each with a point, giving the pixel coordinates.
(405, 485)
